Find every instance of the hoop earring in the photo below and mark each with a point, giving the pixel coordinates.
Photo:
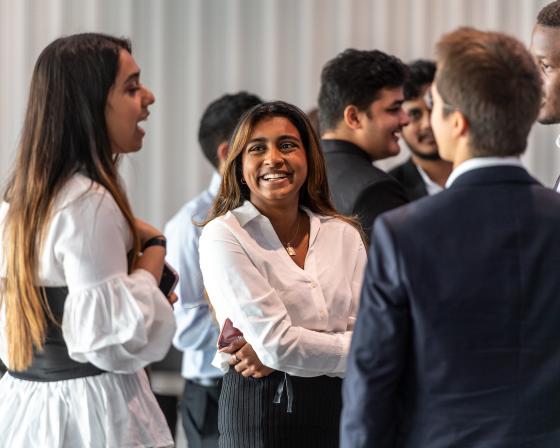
(243, 181)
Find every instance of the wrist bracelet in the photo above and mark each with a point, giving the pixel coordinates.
(158, 240)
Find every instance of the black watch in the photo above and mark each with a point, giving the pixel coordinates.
(158, 240)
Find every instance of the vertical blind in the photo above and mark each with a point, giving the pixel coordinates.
(192, 51)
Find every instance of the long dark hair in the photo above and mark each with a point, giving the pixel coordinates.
(314, 193)
(64, 133)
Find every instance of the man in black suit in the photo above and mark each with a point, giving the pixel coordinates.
(424, 173)
(457, 342)
(361, 116)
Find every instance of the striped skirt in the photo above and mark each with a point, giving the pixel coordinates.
(280, 411)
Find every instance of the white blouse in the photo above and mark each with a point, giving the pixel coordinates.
(117, 322)
(298, 321)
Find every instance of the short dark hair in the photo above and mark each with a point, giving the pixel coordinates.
(492, 79)
(421, 72)
(550, 15)
(356, 77)
(219, 120)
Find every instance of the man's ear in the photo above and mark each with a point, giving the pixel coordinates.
(222, 151)
(352, 117)
(460, 124)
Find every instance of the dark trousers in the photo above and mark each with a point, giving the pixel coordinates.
(199, 412)
(249, 417)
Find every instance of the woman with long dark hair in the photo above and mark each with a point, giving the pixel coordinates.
(286, 269)
(81, 312)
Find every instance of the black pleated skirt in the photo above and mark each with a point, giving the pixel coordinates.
(248, 417)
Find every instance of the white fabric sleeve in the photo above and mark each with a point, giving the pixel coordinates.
(116, 321)
(239, 291)
(357, 279)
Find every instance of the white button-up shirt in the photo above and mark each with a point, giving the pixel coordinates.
(297, 320)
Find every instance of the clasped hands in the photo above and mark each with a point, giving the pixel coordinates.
(244, 359)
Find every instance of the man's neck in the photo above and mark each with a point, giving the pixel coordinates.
(437, 170)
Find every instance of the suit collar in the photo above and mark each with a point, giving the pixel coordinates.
(496, 174)
(480, 162)
(344, 146)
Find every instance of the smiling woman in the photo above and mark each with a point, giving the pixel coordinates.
(285, 269)
(79, 317)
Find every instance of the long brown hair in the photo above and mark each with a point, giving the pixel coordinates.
(314, 193)
(64, 133)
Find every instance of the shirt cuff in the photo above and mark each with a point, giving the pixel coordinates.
(346, 337)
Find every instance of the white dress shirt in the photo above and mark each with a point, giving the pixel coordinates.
(298, 321)
(117, 321)
(431, 186)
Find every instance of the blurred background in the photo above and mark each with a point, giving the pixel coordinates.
(192, 51)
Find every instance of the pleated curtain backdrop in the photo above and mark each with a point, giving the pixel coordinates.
(192, 51)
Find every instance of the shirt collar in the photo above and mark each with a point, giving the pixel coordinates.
(481, 162)
(214, 186)
(431, 186)
(247, 212)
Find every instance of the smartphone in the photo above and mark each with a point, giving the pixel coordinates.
(169, 279)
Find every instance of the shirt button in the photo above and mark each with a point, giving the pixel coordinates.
(313, 284)
(323, 314)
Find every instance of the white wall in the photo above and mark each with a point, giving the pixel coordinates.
(192, 51)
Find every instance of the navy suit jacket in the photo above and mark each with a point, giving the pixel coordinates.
(457, 342)
(357, 187)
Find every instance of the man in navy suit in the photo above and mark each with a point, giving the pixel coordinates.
(457, 342)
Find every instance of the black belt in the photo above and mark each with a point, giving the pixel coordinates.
(52, 363)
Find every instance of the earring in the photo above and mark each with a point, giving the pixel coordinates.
(243, 181)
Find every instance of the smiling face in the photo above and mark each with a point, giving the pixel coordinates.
(545, 46)
(274, 163)
(418, 133)
(381, 124)
(127, 105)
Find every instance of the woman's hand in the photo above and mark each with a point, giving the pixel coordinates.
(245, 360)
(172, 298)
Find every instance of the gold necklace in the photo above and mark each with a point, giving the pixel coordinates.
(289, 248)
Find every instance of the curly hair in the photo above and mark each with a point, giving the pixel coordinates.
(550, 15)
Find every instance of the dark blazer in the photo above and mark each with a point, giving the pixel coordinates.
(409, 177)
(457, 342)
(358, 187)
